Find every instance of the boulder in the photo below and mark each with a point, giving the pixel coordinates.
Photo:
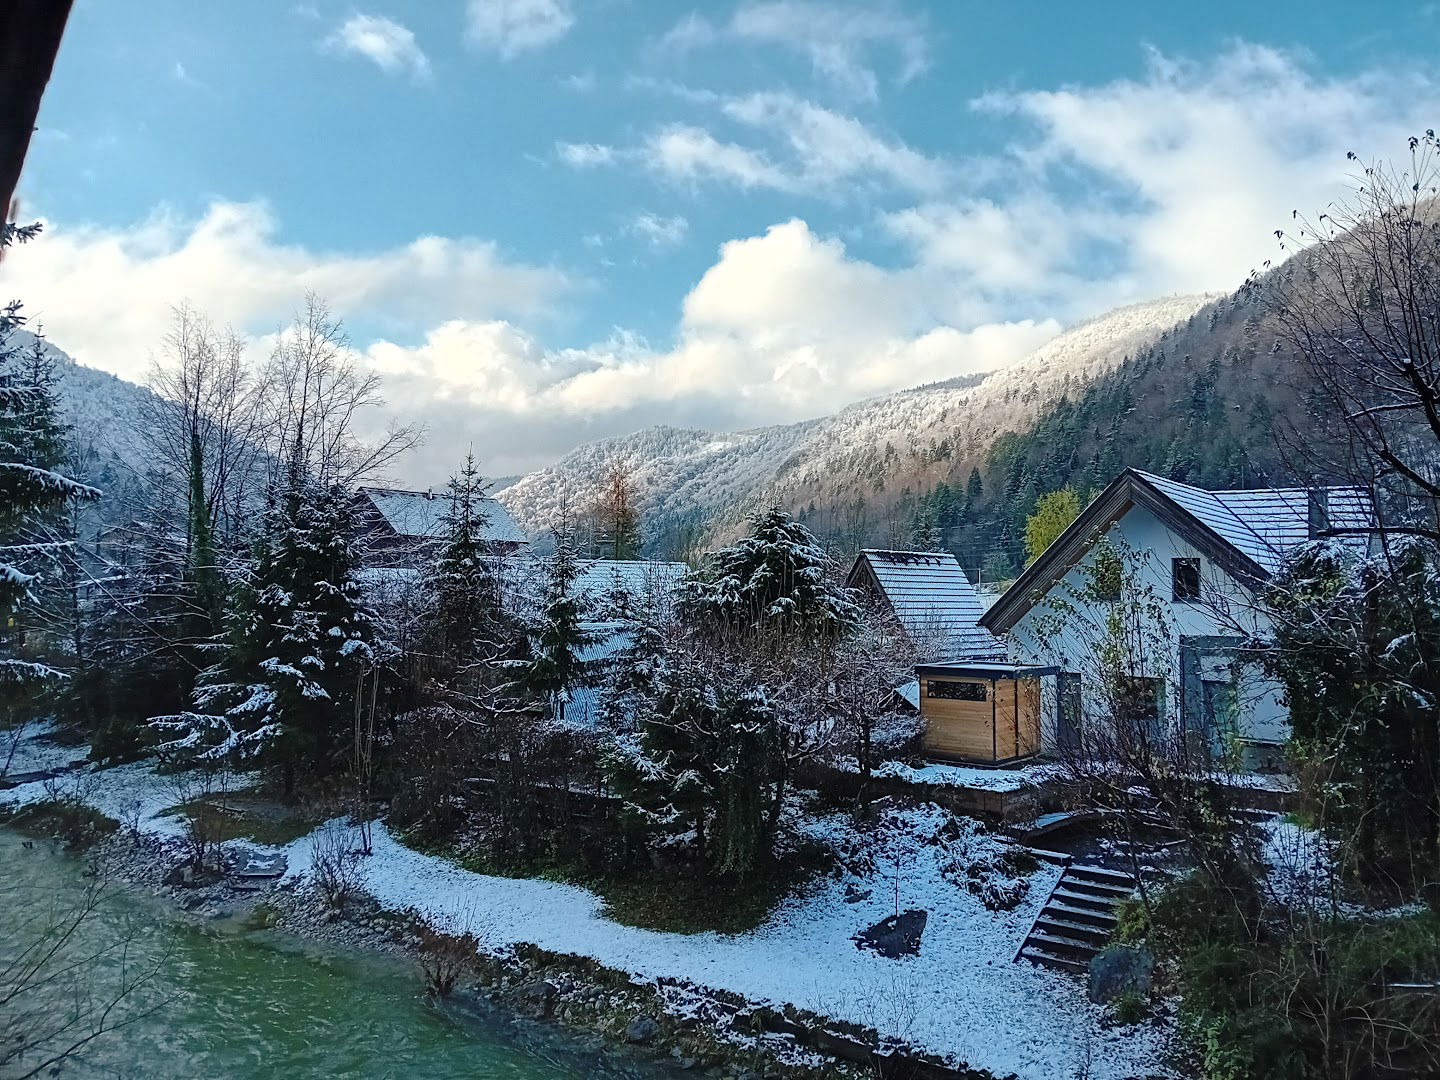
(1121, 969)
(641, 1030)
(538, 998)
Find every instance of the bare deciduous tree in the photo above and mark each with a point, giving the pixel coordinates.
(316, 389)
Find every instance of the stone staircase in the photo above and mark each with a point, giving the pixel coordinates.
(1077, 919)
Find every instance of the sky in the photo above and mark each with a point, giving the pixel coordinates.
(550, 221)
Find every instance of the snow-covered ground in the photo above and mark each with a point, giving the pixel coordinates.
(942, 775)
(961, 996)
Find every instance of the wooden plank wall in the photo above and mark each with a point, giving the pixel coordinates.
(959, 728)
(1006, 725)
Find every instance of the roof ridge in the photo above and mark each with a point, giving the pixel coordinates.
(1214, 496)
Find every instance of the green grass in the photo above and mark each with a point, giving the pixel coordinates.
(75, 823)
(247, 818)
(679, 901)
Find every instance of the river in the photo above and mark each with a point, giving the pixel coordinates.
(226, 1002)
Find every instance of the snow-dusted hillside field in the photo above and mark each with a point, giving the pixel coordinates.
(962, 996)
(717, 476)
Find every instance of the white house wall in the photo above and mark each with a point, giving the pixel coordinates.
(1226, 609)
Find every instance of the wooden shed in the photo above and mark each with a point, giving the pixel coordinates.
(981, 712)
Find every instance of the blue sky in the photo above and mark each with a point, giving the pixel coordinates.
(551, 220)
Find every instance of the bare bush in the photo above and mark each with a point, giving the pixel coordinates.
(334, 864)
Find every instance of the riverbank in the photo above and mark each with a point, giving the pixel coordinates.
(960, 999)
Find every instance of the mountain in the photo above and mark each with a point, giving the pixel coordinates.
(850, 471)
(106, 415)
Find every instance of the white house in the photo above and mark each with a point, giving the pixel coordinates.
(406, 528)
(1198, 559)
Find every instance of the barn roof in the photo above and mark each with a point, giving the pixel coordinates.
(421, 514)
(1246, 532)
(931, 596)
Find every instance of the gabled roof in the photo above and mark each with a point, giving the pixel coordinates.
(931, 596)
(421, 514)
(1247, 533)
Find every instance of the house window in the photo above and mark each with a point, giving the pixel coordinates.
(957, 691)
(1185, 579)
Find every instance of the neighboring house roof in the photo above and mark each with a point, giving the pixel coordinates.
(931, 596)
(421, 514)
(1247, 533)
(601, 577)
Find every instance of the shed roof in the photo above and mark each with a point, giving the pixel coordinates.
(421, 514)
(931, 596)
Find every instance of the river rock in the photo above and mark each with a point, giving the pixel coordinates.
(538, 998)
(1121, 969)
(641, 1030)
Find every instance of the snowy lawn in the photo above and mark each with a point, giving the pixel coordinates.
(942, 775)
(962, 996)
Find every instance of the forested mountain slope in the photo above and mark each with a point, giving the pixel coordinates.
(856, 475)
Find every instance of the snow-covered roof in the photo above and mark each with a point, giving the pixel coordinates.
(933, 599)
(1265, 523)
(1247, 532)
(421, 514)
(601, 577)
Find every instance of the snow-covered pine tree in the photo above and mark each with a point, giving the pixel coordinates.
(558, 635)
(774, 583)
(702, 769)
(465, 633)
(298, 639)
(33, 493)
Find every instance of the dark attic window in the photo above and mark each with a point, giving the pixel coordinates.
(956, 691)
(1185, 579)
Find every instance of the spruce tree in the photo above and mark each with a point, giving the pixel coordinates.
(558, 635)
(297, 641)
(464, 625)
(774, 583)
(34, 495)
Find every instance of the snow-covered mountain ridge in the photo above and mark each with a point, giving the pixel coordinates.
(709, 480)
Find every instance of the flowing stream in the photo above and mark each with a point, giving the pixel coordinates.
(225, 1002)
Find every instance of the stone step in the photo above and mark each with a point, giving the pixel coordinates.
(1100, 919)
(1099, 889)
(1088, 901)
(1102, 874)
(1037, 955)
(1060, 945)
(1052, 923)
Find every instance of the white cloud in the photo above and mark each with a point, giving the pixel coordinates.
(584, 155)
(510, 27)
(783, 326)
(386, 43)
(657, 230)
(689, 153)
(808, 149)
(838, 39)
(104, 295)
(1169, 183)
(829, 148)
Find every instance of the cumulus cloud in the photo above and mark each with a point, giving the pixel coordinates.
(104, 295)
(510, 27)
(386, 43)
(783, 326)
